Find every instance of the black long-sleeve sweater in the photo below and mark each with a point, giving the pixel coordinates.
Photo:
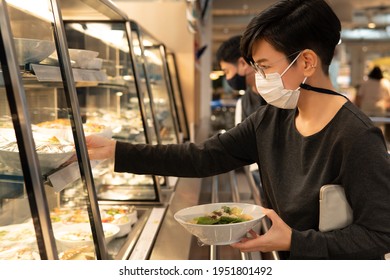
(349, 151)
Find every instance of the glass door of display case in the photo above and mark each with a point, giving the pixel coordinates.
(144, 85)
(115, 104)
(153, 54)
(174, 79)
(120, 102)
(42, 144)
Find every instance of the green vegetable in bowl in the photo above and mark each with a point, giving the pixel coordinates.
(225, 215)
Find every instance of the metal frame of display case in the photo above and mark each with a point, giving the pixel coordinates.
(79, 138)
(181, 113)
(22, 126)
(30, 164)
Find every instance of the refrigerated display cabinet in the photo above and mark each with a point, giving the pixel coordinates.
(48, 104)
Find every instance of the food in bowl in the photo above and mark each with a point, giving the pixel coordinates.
(19, 252)
(223, 215)
(80, 234)
(17, 234)
(52, 153)
(123, 216)
(69, 215)
(219, 234)
(86, 252)
(61, 128)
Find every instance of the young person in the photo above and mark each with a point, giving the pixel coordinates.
(307, 136)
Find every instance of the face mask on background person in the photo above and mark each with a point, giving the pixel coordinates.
(238, 82)
(271, 88)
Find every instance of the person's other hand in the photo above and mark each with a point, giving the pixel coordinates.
(277, 238)
(100, 147)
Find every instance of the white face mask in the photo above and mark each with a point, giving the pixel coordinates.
(271, 88)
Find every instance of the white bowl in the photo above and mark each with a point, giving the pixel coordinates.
(80, 234)
(19, 252)
(79, 58)
(121, 215)
(18, 234)
(32, 51)
(124, 224)
(47, 161)
(221, 234)
(52, 152)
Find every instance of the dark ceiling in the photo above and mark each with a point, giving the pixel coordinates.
(230, 17)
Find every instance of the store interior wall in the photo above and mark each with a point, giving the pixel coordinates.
(167, 22)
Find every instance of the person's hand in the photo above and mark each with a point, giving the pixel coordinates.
(277, 238)
(100, 147)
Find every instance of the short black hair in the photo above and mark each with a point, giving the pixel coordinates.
(230, 51)
(294, 25)
(376, 73)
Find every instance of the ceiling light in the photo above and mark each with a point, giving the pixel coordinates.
(371, 25)
(215, 75)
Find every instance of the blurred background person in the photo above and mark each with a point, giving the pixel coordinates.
(373, 96)
(240, 76)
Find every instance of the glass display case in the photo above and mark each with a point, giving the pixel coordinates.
(59, 81)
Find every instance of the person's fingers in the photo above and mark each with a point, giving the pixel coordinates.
(246, 245)
(253, 233)
(271, 214)
(246, 239)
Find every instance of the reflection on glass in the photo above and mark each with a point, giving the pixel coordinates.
(143, 87)
(112, 104)
(177, 93)
(162, 97)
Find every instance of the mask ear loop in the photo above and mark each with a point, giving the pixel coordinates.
(304, 81)
(291, 64)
